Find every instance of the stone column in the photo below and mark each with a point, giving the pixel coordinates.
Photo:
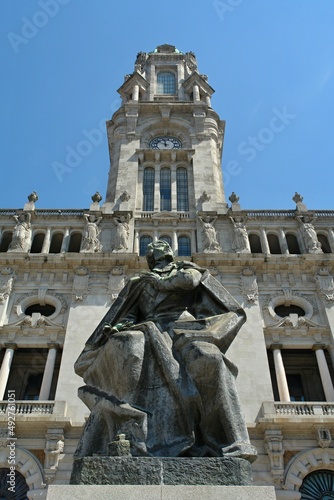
(173, 186)
(282, 240)
(326, 380)
(156, 207)
(46, 242)
(174, 241)
(282, 383)
(208, 100)
(136, 242)
(5, 368)
(264, 241)
(155, 235)
(193, 241)
(64, 246)
(196, 94)
(331, 239)
(135, 93)
(44, 393)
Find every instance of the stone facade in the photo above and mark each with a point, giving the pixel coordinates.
(165, 181)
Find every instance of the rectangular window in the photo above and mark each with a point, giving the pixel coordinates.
(165, 189)
(182, 190)
(148, 189)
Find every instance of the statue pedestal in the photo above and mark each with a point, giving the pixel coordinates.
(86, 492)
(146, 478)
(161, 471)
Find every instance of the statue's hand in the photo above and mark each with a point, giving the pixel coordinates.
(109, 330)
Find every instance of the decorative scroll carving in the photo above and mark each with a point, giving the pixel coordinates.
(6, 283)
(325, 284)
(80, 284)
(274, 447)
(248, 285)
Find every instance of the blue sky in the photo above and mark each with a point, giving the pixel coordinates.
(270, 62)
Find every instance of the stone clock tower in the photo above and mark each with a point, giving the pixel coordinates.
(165, 144)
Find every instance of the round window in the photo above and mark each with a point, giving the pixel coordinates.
(44, 310)
(283, 311)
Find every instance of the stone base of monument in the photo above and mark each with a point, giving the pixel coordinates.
(146, 478)
(128, 492)
(161, 471)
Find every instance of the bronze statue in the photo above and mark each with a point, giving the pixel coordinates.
(155, 368)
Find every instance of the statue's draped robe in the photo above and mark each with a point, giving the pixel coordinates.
(166, 382)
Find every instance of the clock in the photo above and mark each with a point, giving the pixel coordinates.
(165, 142)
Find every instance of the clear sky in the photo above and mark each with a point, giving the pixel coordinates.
(269, 61)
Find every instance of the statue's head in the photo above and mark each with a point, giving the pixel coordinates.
(159, 250)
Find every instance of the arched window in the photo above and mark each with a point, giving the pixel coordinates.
(21, 488)
(165, 189)
(183, 244)
(166, 83)
(56, 242)
(6, 241)
(292, 242)
(325, 246)
(148, 189)
(144, 242)
(255, 243)
(273, 243)
(37, 243)
(75, 242)
(319, 485)
(167, 239)
(182, 189)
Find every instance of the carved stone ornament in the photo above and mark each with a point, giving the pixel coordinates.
(54, 447)
(309, 235)
(91, 236)
(325, 284)
(209, 234)
(248, 285)
(125, 196)
(234, 198)
(21, 240)
(204, 198)
(96, 198)
(122, 233)
(6, 283)
(324, 437)
(80, 284)
(274, 447)
(155, 363)
(297, 198)
(117, 281)
(240, 238)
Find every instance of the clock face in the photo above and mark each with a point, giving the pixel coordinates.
(165, 142)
